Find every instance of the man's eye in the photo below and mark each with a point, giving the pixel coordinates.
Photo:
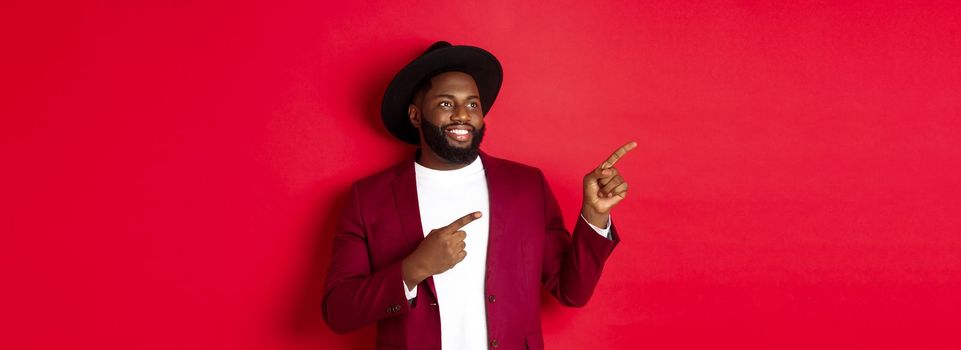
(445, 104)
(472, 105)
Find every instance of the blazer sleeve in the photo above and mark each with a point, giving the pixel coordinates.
(355, 295)
(572, 263)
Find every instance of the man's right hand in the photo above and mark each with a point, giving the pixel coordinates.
(440, 250)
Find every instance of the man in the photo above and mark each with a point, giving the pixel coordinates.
(449, 250)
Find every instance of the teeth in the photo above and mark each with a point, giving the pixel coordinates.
(459, 132)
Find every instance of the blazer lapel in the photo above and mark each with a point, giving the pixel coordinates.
(405, 198)
(497, 192)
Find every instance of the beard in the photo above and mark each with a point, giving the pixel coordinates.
(436, 139)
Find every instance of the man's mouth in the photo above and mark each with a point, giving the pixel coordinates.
(459, 133)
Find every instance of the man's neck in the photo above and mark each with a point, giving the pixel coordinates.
(429, 159)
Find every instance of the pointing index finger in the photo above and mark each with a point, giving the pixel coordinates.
(620, 152)
(463, 221)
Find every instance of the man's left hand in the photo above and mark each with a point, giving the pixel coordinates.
(604, 188)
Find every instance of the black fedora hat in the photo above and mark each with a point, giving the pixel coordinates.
(439, 58)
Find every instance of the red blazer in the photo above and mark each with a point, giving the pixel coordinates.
(528, 246)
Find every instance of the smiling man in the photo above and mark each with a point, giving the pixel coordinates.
(458, 142)
(450, 249)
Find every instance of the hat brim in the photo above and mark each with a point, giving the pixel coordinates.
(480, 64)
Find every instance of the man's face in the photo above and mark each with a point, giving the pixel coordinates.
(450, 117)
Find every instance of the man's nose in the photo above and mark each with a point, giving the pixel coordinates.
(460, 114)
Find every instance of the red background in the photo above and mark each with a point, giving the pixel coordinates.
(173, 170)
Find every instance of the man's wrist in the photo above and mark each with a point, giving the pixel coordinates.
(412, 275)
(595, 218)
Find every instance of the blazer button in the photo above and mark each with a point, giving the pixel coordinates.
(494, 343)
(491, 298)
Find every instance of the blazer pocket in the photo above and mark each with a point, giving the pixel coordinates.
(535, 341)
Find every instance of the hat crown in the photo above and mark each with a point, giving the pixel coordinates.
(437, 46)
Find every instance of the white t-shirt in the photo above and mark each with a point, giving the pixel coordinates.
(445, 196)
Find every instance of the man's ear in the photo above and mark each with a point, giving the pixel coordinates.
(414, 115)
